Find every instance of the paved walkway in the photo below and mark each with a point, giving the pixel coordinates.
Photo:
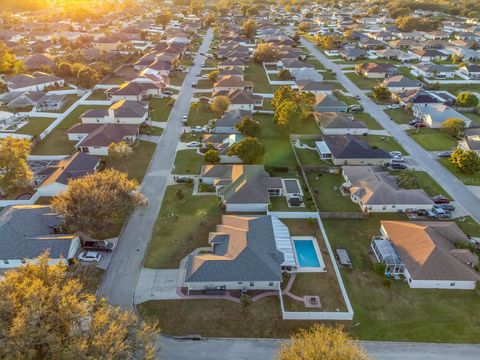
(445, 178)
(121, 277)
(156, 284)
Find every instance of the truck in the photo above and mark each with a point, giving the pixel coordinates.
(98, 245)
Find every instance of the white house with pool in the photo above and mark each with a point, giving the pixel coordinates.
(250, 253)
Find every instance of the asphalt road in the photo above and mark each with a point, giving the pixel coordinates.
(442, 176)
(237, 349)
(120, 279)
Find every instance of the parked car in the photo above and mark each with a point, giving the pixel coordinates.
(398, 165)
(393, 106)
(100, 245)
(436, 213)
(194, 85)
(397, 155)
(202, 53)
(439, 199)
(203, 64)
(448, 207)
(205, 76)
(204, 100)
(198, 73)
(445, 154)
(184, 118)
(167, 92)
(186, 70)
(196, 129)
(89, 256)
(355, 108)
(194, 144)
(357, 97)
(414, 122)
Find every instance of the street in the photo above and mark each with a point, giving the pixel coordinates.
(121, 277)
(424, 159)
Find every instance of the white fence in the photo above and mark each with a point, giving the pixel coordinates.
(96, 102)
(106, 86)
(12, 202)
(67, 92)
(41, 114)
(16, 136)
(317, 315)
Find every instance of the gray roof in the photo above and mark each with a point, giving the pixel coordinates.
(351, 147)
(231, 118)
(26, 231)
(244, 249)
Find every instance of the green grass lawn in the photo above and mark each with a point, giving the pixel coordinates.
(188, 162)
(137, 166)
(467, 179)
(469, 226)
(327, 196)
(400, 116)
(256, 73)
(361, 82)
(57, 143)
(98, 94)
(177, 78)
(35, 126)
(279, 203)
(160, 108)
(432, 139)
(201, 115)
(114, 80)
(368, 120)
(310, 157)
(459, 88)
(386, 143)
(398, 313)
(427, 183)
(181, 227)
(204, 84)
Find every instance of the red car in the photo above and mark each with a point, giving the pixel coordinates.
(439, 199)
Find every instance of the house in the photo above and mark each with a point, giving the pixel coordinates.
(231, 82)
(401, 83)
(316, 87)
(428, 55)
(95, 139)
(232, 62)
(471, 141)
(53, 179)
(235, 71)
(426, 255)
(375, 71)
(333, 123)
(433, 71)
(412, 97)
(375, 190)
(134, 91)
(244, 100)
(39, 61)
(306, 74)
(393, 54)
(329, 103)
(121, 112)
(352, 54)
(107, 43)
(434, 115)
(242, 188)
(247, 253)
(293, 64)
(39, 101)
(28, 231)
(226, 124)
(36, 81)
(222, 143)
(471, 70)
(350, 150)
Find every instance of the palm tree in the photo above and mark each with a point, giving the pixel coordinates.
(407, 179)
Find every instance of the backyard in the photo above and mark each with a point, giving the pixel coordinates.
(35, 126)
(181, 227)
(256, 73)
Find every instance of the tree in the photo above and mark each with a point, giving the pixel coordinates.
(328, 42)
(47, 314)
(211, 156)
(453, 127)
(120, 151)
(180, 195)
(250, 150)
(465, 161)
(220, 104)
(65, 69)
(98, 202)
(8, 61)
(466, 100)
(399, 12)
(249, 28)
(407, 179)
(163, 19)
(213, 76)
(265, 52)
(321, 342)
(245, 301)
(283, 93)
(284, 74)
(14, 170)
(87, 77)
(381, 93)
(287, 115)
(248, 126)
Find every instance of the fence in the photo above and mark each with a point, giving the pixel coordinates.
(16, 136)
(12, 202)
(344, 215)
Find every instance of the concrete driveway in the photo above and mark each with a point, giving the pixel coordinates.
(158, 284)
(121, 277)
(424, 159)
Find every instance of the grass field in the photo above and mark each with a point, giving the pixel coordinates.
(201, 115)
(35, 126)
(57, 143)
(181, 227)
(400, 116)
(98, 94)
(327, 196)
(361, 82)
(383, 142)
(188, 162)
(467, 179)
(368, 120)
(160, 108)
(256, 73)
(433, 139)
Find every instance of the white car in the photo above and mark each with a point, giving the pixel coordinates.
(397, 155)
(193, 144)
(205, 76)
(198, 74)
(89, 256)
(393, 106)
(184, 118)
(196, 129)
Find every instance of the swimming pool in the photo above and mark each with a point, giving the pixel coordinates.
(306, 253)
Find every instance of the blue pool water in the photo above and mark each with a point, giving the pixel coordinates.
(306, 253)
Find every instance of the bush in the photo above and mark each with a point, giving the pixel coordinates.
(379, 268)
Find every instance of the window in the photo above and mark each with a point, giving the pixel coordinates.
(252, 283)
(270, 283)
(240, 283)
(6, 261)
(452, 284)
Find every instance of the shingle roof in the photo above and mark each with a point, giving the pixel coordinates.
(351, 147)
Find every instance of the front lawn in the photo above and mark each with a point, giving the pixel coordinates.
(35, 126)
(57, 143)
(114, 80)
(432, 139)
(181, 228)
(137, 166)
(177, 78)
(98, 94)
(361, 82)
(325, 188)
(467, 179)
(368, 120)
(160, 108)
(400, 116)
(188, 162)
(386, 143)
(201, 115)
(398, 313)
